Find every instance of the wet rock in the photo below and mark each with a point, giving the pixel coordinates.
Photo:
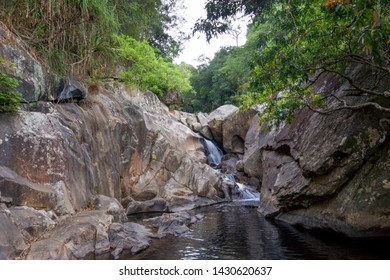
(128, 237)
(154, 205)
(173, 223)
(229, 162)
(206, 133)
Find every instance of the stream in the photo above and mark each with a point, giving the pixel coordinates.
(233, 231)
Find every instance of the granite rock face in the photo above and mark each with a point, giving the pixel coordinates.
(326, 171)
(119, 143)
(110, 146)
(216, 119)
(90, 234)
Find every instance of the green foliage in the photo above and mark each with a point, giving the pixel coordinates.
(291, 44)
(145, 69)
(295, 42)
(220, 13)
(10, 98)
(71, 35)
(149, 20)
(217, 82)
(211, 86)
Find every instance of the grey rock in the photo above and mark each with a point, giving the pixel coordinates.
(173, 223)
(216, 120)
(234, 130)
(240, 165)
(111, 206)
(12, 242)
(154, 205)
(33, 221)
(128, 237)
(321, 172)
(202, 119)
(71, 90)
(36, 81)
(78, 237)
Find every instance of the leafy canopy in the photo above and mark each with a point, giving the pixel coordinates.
(293, 43)
(302, 40)
(144, 68)
(217, 81)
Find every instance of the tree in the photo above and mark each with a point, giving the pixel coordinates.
(294, 43)
(215, 82)
(73, 36)
(145, 69)
(220, 13)
(150, 20)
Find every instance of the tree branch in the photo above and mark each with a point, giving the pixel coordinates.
(352, 108)
(354, 85)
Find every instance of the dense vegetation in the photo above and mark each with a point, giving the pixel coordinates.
(290, 45)
(293, 43)
(91, 38)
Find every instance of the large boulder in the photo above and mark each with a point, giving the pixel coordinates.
(174, 224)
(108, 145)
(128, 237)
(327, 171)
(234, 130)
(252, 155)
(217, 118)
(91, 233)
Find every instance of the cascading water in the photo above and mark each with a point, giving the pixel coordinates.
(239, 191)
(232, 189)
(246, 193)
(214, 154)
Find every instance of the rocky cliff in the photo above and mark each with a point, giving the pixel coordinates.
(56, 158)
(322, 171)
(327, 171)
(70, 172)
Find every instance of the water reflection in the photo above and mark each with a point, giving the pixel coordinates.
(235, 232)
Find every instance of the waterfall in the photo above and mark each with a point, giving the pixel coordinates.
(231, 188)
(237, 191)
(246, 193)
(214, 154)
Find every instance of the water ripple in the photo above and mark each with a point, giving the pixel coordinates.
(231, 232)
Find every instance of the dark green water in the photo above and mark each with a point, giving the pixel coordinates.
(235, 232)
